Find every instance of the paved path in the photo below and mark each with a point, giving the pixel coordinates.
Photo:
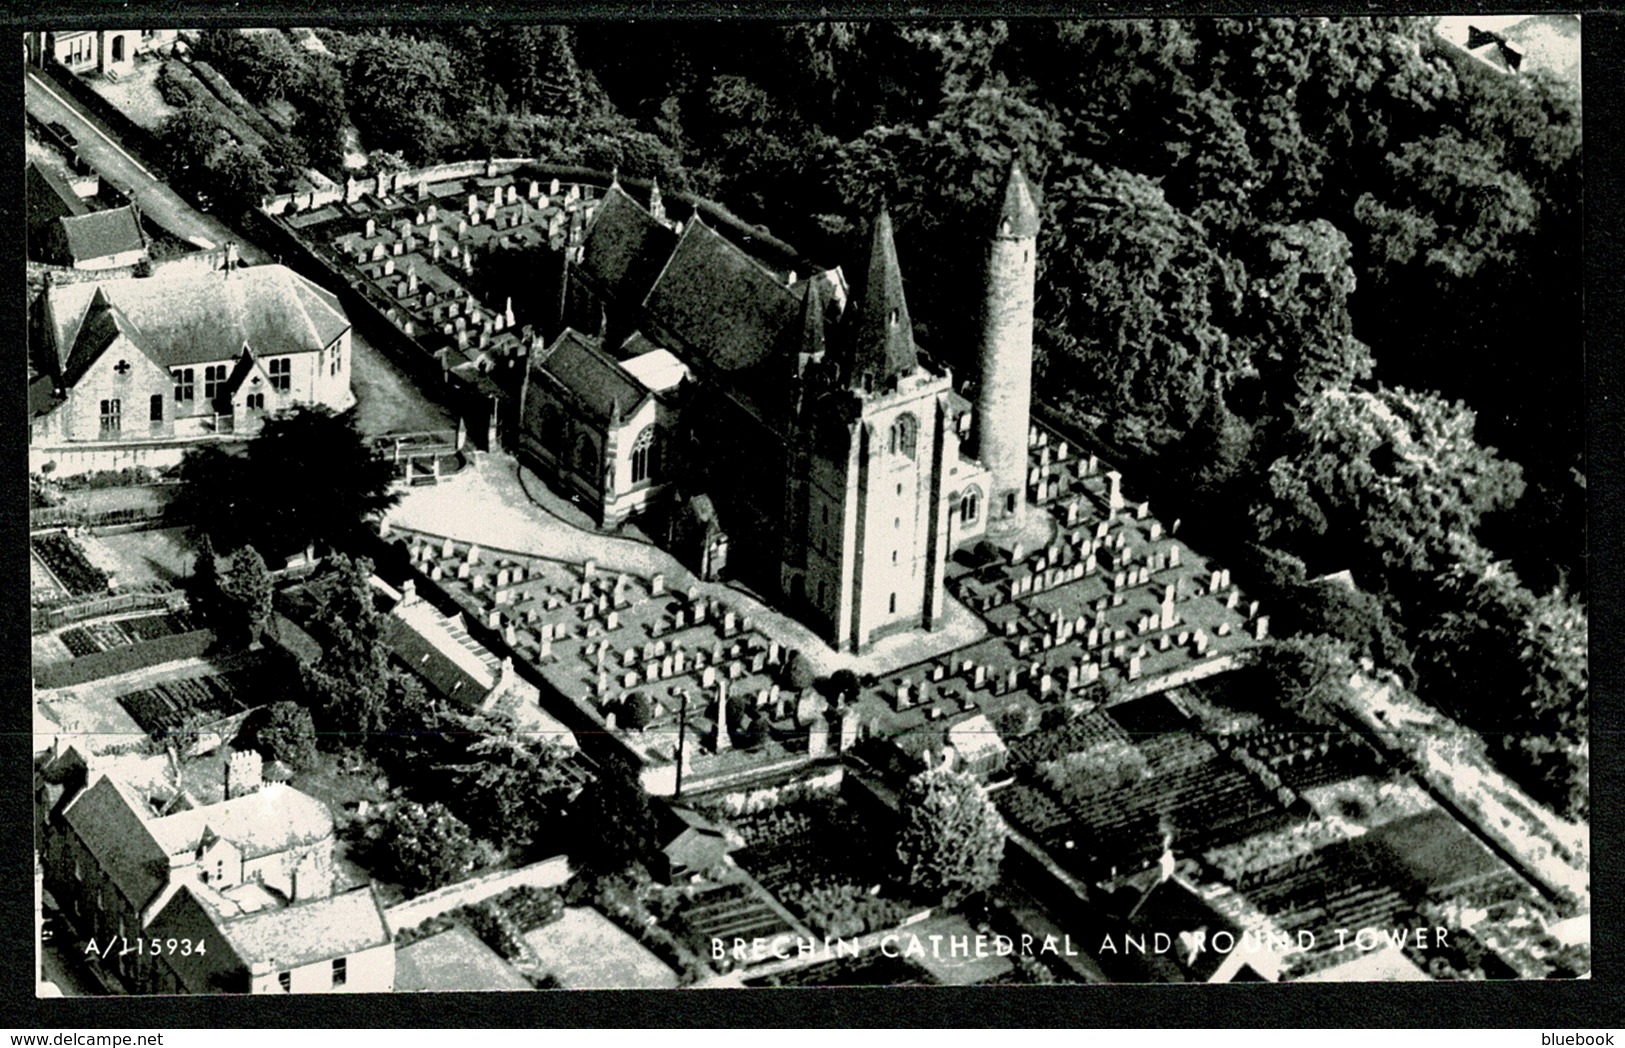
(117, 165)
(487, 504)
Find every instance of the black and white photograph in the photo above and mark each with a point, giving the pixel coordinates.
(638, 504)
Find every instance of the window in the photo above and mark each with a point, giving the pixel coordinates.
(891, 604)
(341, 970)
(643, 456)
(281, 372)
(285, 980)
(112, 417)
(184, 386)
(214, 376)
(118, 49)
(156, 414)
(969, 506)
(219, 870)
(256, 402)
(1010, 503)
(902, 436)
(586, 458)
(894, 556)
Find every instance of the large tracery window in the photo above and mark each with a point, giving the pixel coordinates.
(902, 435)
(643, 456)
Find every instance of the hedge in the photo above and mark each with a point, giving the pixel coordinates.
(233, 100)
(180, 87)
(125, 659)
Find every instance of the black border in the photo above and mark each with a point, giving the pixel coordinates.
(1556, 1005)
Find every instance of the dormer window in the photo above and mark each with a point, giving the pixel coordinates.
(893, 319)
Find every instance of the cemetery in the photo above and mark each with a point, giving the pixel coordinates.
(631, 655)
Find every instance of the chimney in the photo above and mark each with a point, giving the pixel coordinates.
(243, 769)
(232, 259)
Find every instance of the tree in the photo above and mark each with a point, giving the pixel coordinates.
(1309, 676)
(637, 711)
(615, 826)
(319, 476)
(1348, 613)
(288, 735)
(421, 846)
(399, 88)
(205, 582)
(952, 837)
(1386, 482)
(350, 682)
(248, 588)
(513, 783)
(240, 174)
(307, 478)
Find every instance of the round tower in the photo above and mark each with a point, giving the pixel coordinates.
(1004, 395)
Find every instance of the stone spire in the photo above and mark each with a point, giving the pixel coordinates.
(882, 338)
(1019, 216)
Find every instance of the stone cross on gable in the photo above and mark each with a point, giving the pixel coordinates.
(122, 367)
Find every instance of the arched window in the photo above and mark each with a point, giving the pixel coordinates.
(970, 506)
(902, 435)
(118, 49)
(643, 456)
(586, 457)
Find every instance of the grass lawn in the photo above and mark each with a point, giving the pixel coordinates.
(387, 400)
(584, 950)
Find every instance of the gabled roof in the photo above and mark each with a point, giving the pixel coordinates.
(188, 319)
(269, 820)
(245, 366)
(421, 638)
(103, 234)
(307, 932)
(724, 307)
(103, 323)
(880, 336)
(108, 820)
(50, 196)
(625, 247)
(596, 379)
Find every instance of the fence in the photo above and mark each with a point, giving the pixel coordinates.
(46, 517)
(549, 873)
(51, 618)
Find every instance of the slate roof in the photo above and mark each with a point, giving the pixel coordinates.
(625, 247)
(102, 234)
(50, 196)
(453, 960)
(264, 822)
(307, 932)
(419, 637)
(724, 306)
(103, 323)
(107, 818)
(194, 320)
(598, 381)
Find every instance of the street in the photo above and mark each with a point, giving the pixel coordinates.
(101, 149)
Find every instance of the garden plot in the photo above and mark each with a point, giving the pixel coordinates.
(584, 950)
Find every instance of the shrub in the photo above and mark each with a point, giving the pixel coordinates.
(1102, 768)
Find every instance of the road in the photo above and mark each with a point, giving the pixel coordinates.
(102, 150)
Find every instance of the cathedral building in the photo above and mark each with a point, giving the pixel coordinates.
(793, 414)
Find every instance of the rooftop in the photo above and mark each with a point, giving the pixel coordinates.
(102, 234)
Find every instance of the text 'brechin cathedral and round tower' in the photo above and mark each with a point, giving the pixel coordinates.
(1004, 391)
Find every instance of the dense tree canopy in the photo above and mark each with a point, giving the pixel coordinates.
(308, 478)
(952, 836)
(349, 684)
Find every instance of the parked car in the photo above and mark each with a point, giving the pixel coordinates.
(62, 134)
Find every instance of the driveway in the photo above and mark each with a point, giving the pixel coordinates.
(103, 151)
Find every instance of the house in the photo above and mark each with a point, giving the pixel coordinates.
(139, 365)
(1163, 930)
(1514, 44)
(690, 844)
(250, 878)
(458, 669)
(103, 51)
